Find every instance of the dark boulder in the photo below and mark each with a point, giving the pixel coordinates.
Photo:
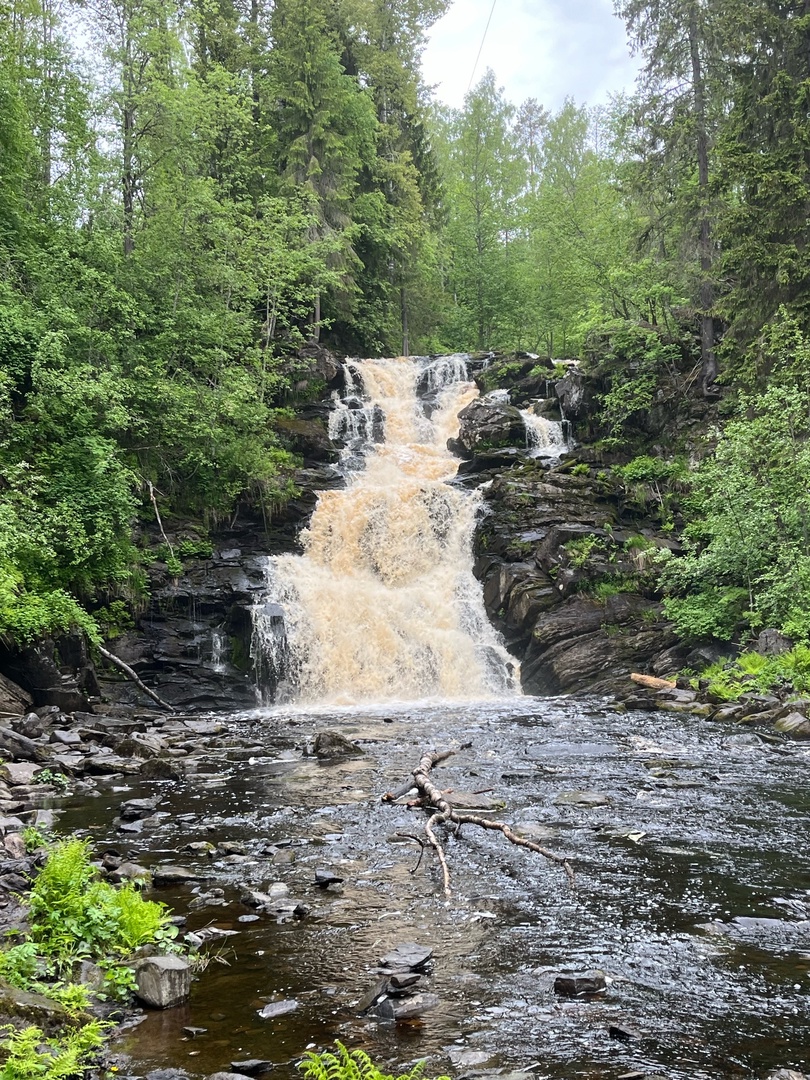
(487, 425)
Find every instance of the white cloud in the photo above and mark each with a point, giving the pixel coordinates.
(548, 49)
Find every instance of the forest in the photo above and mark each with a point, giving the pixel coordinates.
(193, 196)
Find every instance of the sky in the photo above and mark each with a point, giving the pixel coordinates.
(547, 49)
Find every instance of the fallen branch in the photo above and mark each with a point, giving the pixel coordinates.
(442, 813)
(130, 674)
(652, 683)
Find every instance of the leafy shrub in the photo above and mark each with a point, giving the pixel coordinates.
(73, 913)
(753, 672)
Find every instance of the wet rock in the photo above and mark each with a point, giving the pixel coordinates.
(193, 1032)
(32, 1008)
(159, 768)
(109, 764)
(582, 798)
(325, 878)
(130, 871)
(795, 724)
(163, 981)
(277, 1008)
(402, 982)
(488, 424)
(32, 725)
(470, 800)
(580, 985)
(378, 990)
(406, 1008)
(786, 1074)
(470, 1058)
(231, 847)
(198, 847)
(623, 1033)
(331, 744)
(252, 1067)
(134, 809)
(248, 919)
(173, 875)
(139, 745)
(407, 957)
(226, 1076)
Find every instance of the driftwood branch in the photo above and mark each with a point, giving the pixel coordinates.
(130, 674)
(443, 813)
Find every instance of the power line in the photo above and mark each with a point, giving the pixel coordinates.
(481, 47)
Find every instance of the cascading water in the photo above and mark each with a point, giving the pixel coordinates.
(383, 604)
(545, 438)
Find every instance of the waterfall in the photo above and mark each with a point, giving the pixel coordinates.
(382, 605)
(545, 438)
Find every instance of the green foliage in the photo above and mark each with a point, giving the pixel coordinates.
(580, 550)
(53, 778)
(73, 914)
(751, 672)
(30, 1055)
(714, 612)
(350, 1065)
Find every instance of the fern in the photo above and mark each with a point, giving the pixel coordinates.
(351, 1065)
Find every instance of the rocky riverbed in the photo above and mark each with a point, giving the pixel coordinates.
(690, 912)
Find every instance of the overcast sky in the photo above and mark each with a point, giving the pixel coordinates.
(548, 49)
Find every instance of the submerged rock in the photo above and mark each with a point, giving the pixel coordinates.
(582, 798)
(331, 744)
(278, 1008)
(407, 1008)
(407, 957)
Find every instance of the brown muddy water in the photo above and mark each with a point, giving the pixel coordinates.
(692, 893)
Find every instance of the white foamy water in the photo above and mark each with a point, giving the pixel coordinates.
(383, 604)
(544, 438)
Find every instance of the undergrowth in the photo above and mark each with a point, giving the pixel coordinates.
(29, 1055)
(751, 672)
(351, 1065)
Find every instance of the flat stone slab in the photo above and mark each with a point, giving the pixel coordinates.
(471, 800)
(407, 1008)
(407, 957)
(582, 798)
(22, 772)
(278, 1008)
(173, 875)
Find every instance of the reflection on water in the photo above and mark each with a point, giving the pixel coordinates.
(692, 894)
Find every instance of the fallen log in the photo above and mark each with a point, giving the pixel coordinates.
(442, 813)
(116, 661)
(652, 683)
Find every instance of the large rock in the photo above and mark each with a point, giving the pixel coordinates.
(487, 425)
(14, 701)
(163, 981)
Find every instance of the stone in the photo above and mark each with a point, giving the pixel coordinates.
(407, 1008)
(32, 1008)
(108, 764)
(193, 1032)
(20, 747)
(252, 1067)
(278, 1008)
(773, 643)
(65, 737)
(325, 878)
(158, 768)
(138, 745)
(133, 809)
(331, 744)
(786, 1074)
(582, 798)
(14, 845)
(13, 699)
(407, 957)
(226, 1076)
(22, 772)
(580, 985)
(163, 981)
(486, 424)
(173, 875)
(130, 871)
(794, 724)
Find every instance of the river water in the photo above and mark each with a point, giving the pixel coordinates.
(688, 839)
(692, 892)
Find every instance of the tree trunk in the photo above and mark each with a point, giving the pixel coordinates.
(706, 290)
(403, 307)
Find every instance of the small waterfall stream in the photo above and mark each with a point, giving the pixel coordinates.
(383, 604)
